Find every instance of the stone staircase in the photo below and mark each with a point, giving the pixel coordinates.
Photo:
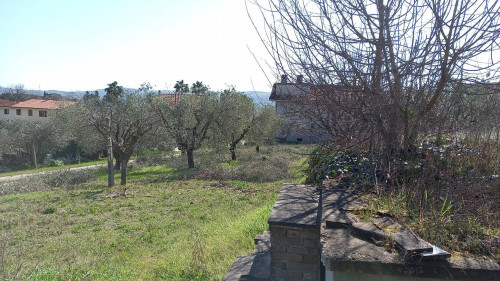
(254, 267)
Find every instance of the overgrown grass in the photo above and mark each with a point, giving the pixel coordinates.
(451, 198)
(159, 227)
(271, 163)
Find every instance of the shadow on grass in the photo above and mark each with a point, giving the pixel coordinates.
(87, 194)
(91, 194)
(153, 174)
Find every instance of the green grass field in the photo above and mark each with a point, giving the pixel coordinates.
(159, 227)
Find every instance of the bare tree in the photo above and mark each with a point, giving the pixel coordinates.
(387, 67)
(17, 93)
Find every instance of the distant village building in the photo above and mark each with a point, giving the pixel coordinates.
(33, 109)
(5, 107)
(53, 96)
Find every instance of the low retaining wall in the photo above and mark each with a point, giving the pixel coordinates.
(314, 235)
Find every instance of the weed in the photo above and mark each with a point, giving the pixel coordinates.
(198, 255)
(50, 210)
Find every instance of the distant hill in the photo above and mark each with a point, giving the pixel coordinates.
(260, 98)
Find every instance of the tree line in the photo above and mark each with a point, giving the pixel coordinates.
(129, 121)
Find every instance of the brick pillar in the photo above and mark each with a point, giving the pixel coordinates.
(295, 253)
(295, 234)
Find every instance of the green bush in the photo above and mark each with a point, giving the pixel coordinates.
(318, 162)
(53, 163)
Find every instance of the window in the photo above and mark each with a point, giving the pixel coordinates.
(42, 113)
(18, 111)
(6, 111)
(30, 112)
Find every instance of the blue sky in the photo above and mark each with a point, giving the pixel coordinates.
(84, 45)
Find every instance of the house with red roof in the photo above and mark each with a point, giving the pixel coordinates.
(5, 107)
(33, 109)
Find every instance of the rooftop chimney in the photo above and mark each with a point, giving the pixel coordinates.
(284, 79)
(300, 79)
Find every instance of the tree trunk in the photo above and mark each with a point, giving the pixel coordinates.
(34, 157)
(233, 152)
(190, 158)
(111, 172)
(123, 170)
(118, 164)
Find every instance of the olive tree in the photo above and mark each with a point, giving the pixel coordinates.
(32, 139)
(239, 118)
(187, 119)
(126, 117)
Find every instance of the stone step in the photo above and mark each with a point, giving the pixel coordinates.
(254, 267)
(265, 236)
(411, 243)
(241, 266)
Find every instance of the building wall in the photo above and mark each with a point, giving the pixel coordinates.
(299, 125)
(24, 114)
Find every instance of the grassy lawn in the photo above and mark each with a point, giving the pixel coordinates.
(44, 169)
(163, 225)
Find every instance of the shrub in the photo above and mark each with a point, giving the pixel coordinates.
(48, 181)
(318, 163)
(270, 164)
(66, 178)
(151, 160)
(54, 163)
(23, 185)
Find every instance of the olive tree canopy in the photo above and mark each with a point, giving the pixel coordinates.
(132, 120)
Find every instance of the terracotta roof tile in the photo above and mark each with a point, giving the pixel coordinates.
(42, 104)
(6, 102)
